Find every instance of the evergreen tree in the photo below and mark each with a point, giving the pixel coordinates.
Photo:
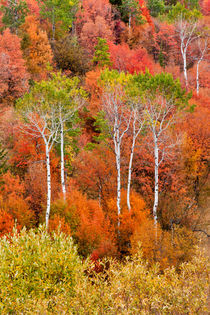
(102, 55)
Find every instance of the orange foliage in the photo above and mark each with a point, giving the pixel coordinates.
(145, 12)
(203, 75)
(6, 223)
(166, 247)
(91, 84)
(88, 224)
(205, 7)
(25, 150)
(14, 200)
(36, 184)
(37, 50)
(33, 7)
(98, 173)
(13, 74)
(58, 223)
(129, 221)
(27, 159)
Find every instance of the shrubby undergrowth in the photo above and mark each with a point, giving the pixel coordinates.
(41, 273)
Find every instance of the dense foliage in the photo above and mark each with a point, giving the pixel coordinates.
(42, 272)
(104, 132)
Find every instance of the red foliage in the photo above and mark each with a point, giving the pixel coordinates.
(145, 11)
(7, 223)
(94, 20)
(125, 59)
(129, 221)
(33, 7)
(14, 200)
(205, 6)
(87, 221)
(98, 173)
(165, 43)
(25, 150)
(13, 74)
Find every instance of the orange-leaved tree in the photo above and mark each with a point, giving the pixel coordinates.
(14, 200)
(13, 73)
(88, 223)
(36, 47)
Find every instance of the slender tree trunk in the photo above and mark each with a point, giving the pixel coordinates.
(197, 77)
(48, 185)
(62, 161)
(155, 206)
(129, 24)
(156, 193)
(130, 170)
(185, 67)
(118, 162)
(118, 166)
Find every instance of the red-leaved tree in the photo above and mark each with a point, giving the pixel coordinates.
(13, 73)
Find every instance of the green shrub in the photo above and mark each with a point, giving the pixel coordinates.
(36, 265)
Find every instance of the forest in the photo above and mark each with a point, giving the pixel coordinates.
(104, 156)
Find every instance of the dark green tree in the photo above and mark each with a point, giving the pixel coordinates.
(102, 56)
(156, 7)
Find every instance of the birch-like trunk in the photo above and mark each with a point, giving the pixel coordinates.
(185, 67)
(118, 165)
(202, 51)
(129, 24)
(155, 206)
(130, 171)
(48, 184)
(197, 77)
(62, 161)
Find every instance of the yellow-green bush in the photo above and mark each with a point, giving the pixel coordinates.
(42, 274)
(133, 287)
(36, 265)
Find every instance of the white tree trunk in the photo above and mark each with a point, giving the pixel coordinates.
(48, 185)
(130, 172)
(118, 165)
(155, 206)
(202, 51)
(129, 24)
(197, 77)
(185, 67)
(62, 161)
